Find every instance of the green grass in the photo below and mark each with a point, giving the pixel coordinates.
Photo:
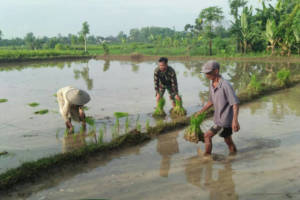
(3, 100)
(11, 55)
(41, 112)
(33, 104)
(24, 55)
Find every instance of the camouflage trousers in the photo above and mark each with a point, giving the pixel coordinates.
(162, 90)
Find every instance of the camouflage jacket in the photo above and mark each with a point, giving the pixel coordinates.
(165, 79)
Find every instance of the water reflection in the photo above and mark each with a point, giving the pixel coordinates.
(282, 104)
(167, 146)
(84, 73)
(106, 65)
(73, 142)
(239, 73)
(135, 68)
(201, 174)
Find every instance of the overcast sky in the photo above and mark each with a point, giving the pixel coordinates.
(106, 17)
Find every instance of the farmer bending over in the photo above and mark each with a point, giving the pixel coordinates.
(226, 108)
(165, 78)
(71, 101)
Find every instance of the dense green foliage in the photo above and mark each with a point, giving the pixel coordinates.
(272, 28)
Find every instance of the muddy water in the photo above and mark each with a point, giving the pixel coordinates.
(266, 167)
(113, 86)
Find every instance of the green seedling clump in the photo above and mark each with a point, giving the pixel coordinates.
(90, 121)
(159, 111)
(194, 133)
(120, 114)
(3, 100)
(41, 112)
(85, 108)
(283, 77)
(254, 85)
(147, 125)
(178, 110)
(33, 104)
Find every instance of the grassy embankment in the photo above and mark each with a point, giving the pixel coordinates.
(130, 51)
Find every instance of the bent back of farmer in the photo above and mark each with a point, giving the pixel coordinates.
(165, 79)
(71, 101)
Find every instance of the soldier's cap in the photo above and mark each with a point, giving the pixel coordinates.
(209, 66)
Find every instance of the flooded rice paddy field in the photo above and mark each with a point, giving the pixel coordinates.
(113, 85)
(168, 167)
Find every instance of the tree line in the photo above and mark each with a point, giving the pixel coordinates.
(275, 29)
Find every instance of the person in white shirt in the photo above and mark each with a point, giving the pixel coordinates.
(71, 101)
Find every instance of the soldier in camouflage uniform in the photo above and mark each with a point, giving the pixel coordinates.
(165, 78)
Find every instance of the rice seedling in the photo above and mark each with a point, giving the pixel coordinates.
(85, 108)
(41, 112)
(147, 125)
(90, 121)
(3, 100)
(114, 132)
(92, 131)
(104, 129)
(194, 133)
(159, 111)
(283, 77)
(127, 124)
(117, 124)
(178, 110)
(101, 135)
(33, 104)
(138, 125)
(74, 137)
(82, 130)
(120, 114)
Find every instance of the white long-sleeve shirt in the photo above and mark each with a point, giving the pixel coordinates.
(66, 109)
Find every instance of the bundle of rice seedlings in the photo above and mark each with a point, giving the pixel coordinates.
(159, 111)
(3, 100)
(194, 133)
(33, 104)
(90, 121)
(178, 110)
(41, 112)
(120, 114)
